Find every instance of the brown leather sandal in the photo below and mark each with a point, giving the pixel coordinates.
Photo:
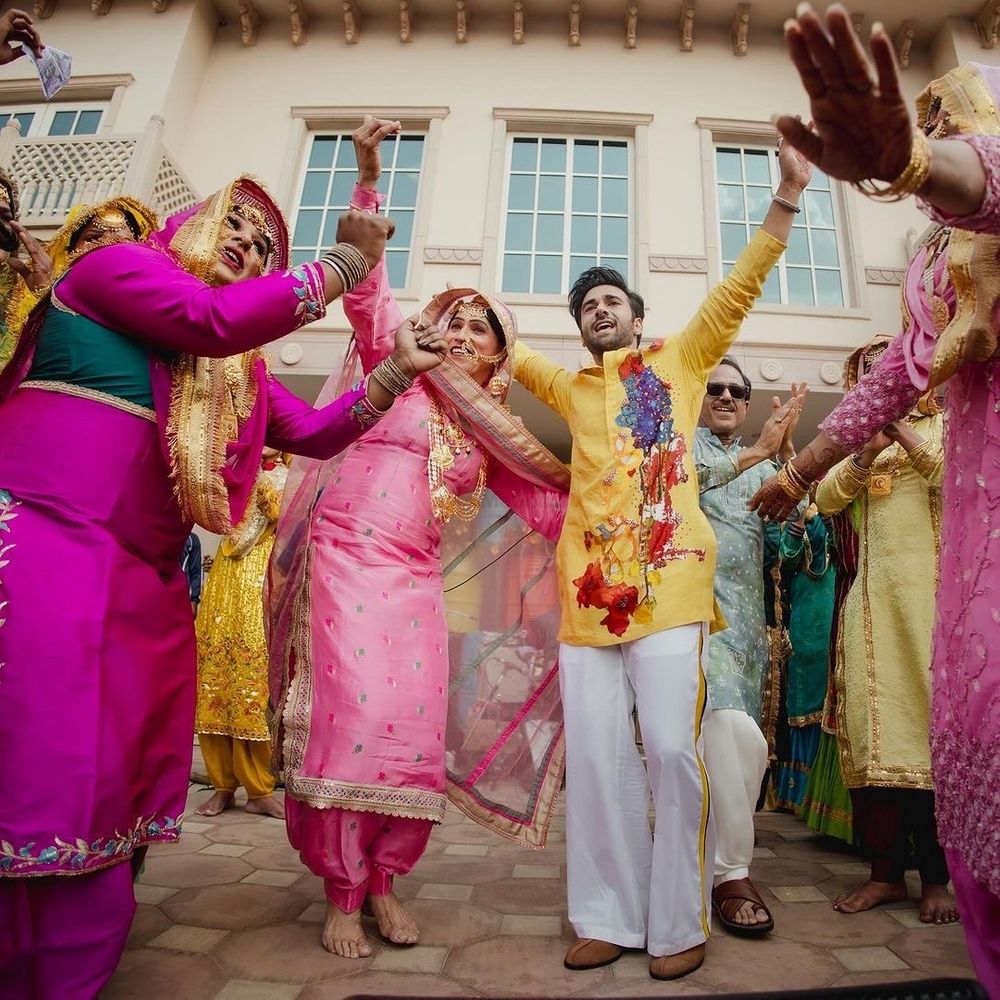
(728, 897)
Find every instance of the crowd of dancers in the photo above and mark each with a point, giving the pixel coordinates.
(451, 613)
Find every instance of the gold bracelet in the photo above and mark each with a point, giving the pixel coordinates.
(391, 377)
(912, 178)
(790, 481)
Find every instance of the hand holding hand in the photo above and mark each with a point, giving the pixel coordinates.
(877, 444)
(771, 502)
(796, 170)
(367, 232)
(419, 348)
(38, 273)
(17, 26)
(367, 138)
(861, 125)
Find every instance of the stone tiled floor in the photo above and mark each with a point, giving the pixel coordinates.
(230, 914)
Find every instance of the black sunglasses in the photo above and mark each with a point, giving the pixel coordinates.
(738, 392)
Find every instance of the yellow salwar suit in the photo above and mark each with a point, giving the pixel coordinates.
(883, 655)
(231, 719)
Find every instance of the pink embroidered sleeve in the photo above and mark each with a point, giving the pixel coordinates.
(293, 425)
(142, 293)
(883, 395)
(370, 307)
(987, 219)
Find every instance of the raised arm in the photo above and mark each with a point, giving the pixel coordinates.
(712, 330)
(543, 378)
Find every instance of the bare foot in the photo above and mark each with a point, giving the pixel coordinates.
(218, 803)
(937, 905)
(266, 806)
(870, 894)
(394, 923)
(749, 913)
(344, 935)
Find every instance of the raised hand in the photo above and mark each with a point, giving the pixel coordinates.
(861, 125)
(17, 26)
(800, 390)
(419, 348)
(38, 273)
(367, 232)
(367, 138)
(775, 431)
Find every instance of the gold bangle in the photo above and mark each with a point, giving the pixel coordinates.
(790, 480)
(912, 178)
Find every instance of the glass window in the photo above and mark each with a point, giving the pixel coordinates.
(809, 272)
(567, 209)
(330, 172)
(56, 119)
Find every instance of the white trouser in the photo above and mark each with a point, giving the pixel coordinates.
(624, 886)
(736, 758)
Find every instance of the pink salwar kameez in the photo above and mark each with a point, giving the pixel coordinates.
(364, 673)
(965, 729)
(97, 648)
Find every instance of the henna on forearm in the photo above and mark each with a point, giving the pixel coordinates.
(818, 457)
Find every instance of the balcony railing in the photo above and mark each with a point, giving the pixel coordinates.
(55, 173)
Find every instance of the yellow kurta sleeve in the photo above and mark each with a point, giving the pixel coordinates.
(841, 485)
(928, 460)
(543, 378)
(712, 330)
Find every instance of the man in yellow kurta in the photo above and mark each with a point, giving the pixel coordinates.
(636, 560)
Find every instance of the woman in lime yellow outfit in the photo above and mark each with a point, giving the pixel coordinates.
(231, 719)
(892, 488)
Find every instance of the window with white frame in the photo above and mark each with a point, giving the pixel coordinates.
(810, 272)
(56, 119)
(568, 207)
(331, 170)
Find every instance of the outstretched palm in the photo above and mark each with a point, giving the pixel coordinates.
(861, 126)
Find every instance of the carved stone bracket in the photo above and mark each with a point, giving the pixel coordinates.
(298, 17)
(453, 255)
(160, 6)
(904, 41)
(631, 24)
(405, 27)
(677, 264)
(685, 26)
(44, 8)
(987, 23)
(352, 22)
(575, 9)
(884, 275)
(461, 22)
(740, 30)
(858, 20)
(249, 23)
(518, 36)
(101, 7)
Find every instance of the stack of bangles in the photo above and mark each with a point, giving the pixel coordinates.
(912, 178)
(393, 379)
(792, 483)
(348, 263)
(853, 476)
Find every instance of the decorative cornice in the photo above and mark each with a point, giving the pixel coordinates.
(82, 88)
(885, 275)
(453, 255)
(566, 120)
(348, 117)
(677, 264)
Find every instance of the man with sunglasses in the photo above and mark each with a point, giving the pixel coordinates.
(636, 560)
(735, 748)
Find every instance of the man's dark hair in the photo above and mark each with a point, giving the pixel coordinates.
(733, 363)
(595, 276)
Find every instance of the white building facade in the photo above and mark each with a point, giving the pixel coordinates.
(539, 137)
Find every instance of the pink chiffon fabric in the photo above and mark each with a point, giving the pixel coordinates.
(965, 734)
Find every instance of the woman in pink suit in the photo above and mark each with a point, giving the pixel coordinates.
(360, 658)
(951, 293)
(123, 420)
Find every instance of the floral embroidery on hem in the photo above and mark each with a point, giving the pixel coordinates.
(80, 855)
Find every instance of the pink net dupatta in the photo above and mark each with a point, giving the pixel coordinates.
(504, 742)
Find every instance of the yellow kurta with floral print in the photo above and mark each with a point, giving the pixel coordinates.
(636, 554)
(232, 649)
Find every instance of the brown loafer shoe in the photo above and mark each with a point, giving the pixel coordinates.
(675, 966)
(589, 953)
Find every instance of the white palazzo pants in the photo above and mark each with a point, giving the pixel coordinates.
(736, 758)
(624, 885)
